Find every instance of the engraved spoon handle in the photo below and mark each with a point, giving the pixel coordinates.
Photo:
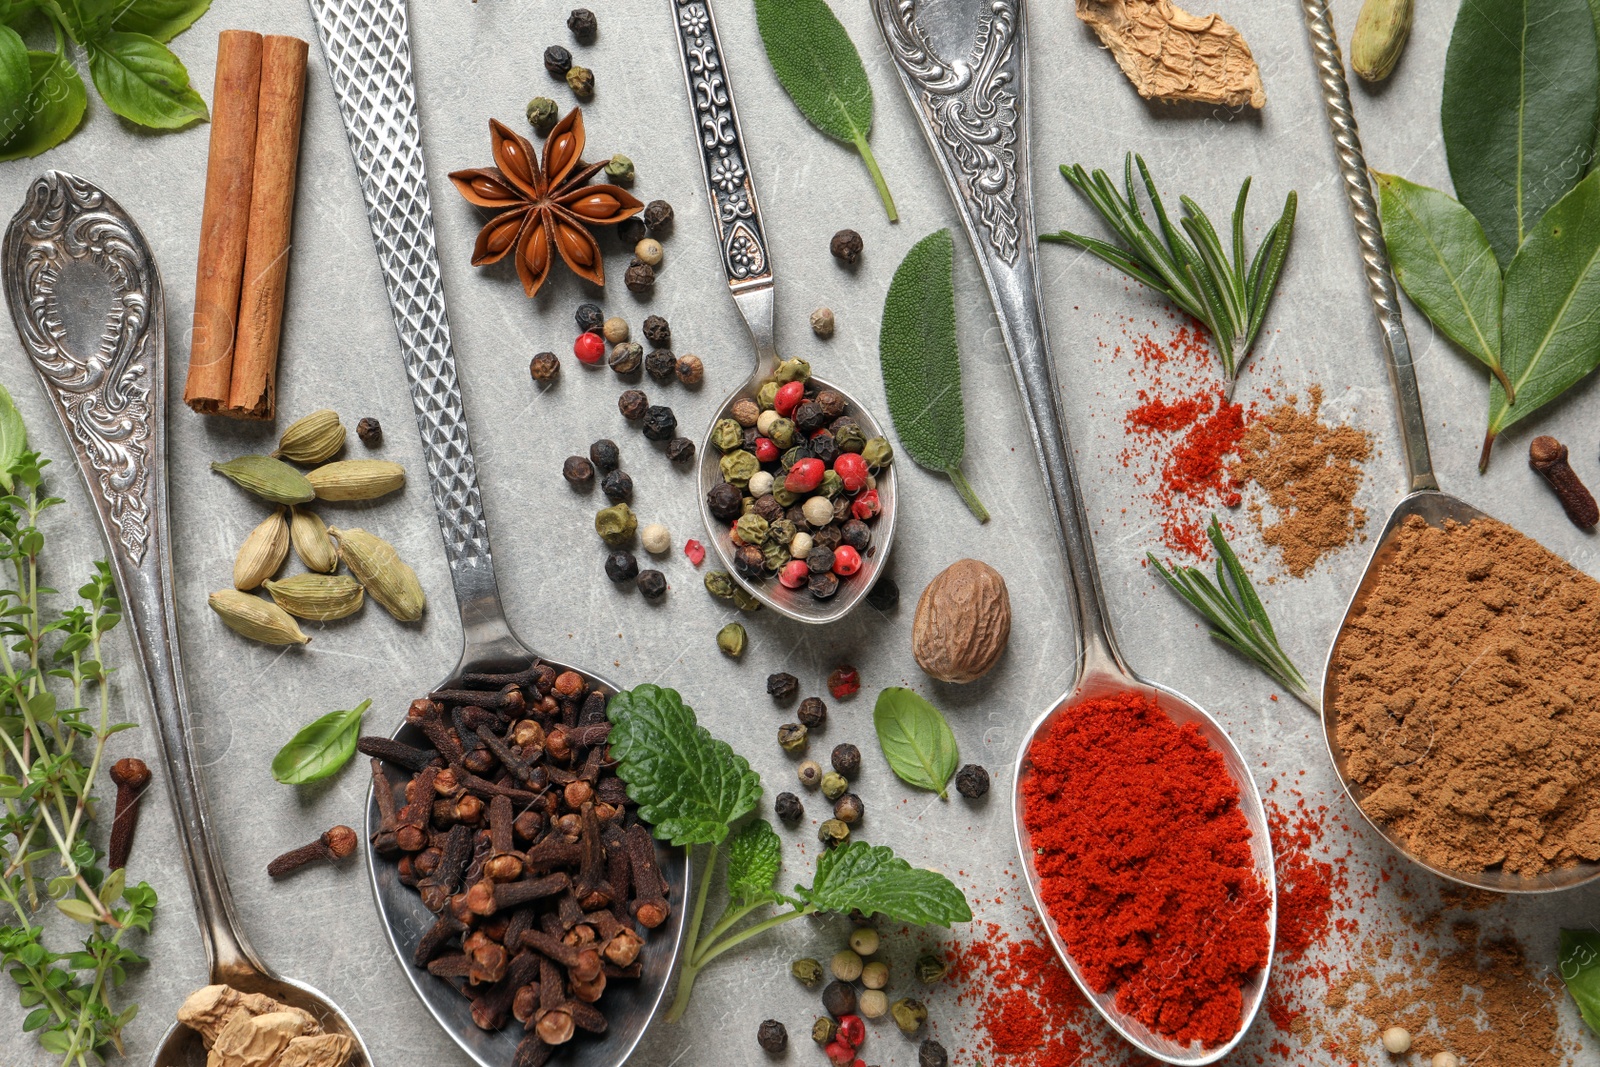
(735, 213)
(112, 403)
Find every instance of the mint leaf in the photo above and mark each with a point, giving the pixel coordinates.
(13, 438)
(754, 858)
(321, 748)
(689, 786)
(16, 82)
(916, 740)
(872, 879)
(56, 103)
(161, 19)
(1579, 965)
(140, 79)
(921, 361)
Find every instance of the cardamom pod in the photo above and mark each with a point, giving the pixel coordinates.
(357, 479)
(268, 478)
(319, 597)
(1380, 37)
(312, 544)
(316, 438)
(262, 553)
(256, 618)
(379, 568)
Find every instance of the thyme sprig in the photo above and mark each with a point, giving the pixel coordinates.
(1237, 616)
(1190, 266)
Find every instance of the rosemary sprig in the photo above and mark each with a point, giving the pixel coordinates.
(1229, 296)
(1236, 614)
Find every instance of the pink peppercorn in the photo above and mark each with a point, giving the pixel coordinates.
(589, 348)
(852, 1030)
(804, 476)
(852, 469)
(766, 450)
(866, 505)
(839, 1053)
(789, 397)
(846, 561)
(695, 551)
(795, 574)
(844, 681)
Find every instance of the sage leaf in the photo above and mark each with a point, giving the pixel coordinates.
(818, 66)
(140, 79)
(1443, 261)
(321, 748)
(1579, 965)
(871, 878)
(56, 102)
(160, 19)
(1550, 328)
(16, 82)
(754, 857)
(921, 362)
(916, 740)
(1521, 96)
(13, 438)
(689, 786)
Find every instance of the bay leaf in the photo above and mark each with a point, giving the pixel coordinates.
(916, 739)
(320, 748)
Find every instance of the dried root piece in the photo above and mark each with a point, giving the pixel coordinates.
(1171, 55)
(207, 1010)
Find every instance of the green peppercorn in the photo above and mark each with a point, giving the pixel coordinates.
(849, 439)
(616, 525)
(767, 395)
(784, 497)
(581, 81)
(791, 735)
(808, 971)
(833, 833)
(780, 531)
(746, 601)
(782, 433)
(620, 169)
(737, 467)
(909, 1014)
(774, 555)
(832, 485)
(878, 452)
(730, 639)
(720, 584)
(834, 785)
(542, 114)
(793, 370)
(823, 1030)
(930, 969)
(751, 528)
(727, 435)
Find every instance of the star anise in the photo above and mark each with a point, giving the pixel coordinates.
(543, 207)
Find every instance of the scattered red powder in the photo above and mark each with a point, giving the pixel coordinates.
(1026, 1002)
(1145, 866)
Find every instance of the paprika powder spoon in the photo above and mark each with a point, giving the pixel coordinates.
(963, 66)
(368, 52)
(1423, 497)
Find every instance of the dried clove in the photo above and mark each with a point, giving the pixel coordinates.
(1549, 457)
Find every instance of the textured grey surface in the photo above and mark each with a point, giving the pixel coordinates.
(474, 61)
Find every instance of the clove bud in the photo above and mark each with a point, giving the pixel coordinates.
(1549, 457)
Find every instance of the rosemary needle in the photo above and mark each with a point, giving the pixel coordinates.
(1237, 616)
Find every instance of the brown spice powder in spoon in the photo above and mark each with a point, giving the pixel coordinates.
(1468, 700)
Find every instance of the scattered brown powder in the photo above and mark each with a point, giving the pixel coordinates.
(1310, 472)
(1468, 699)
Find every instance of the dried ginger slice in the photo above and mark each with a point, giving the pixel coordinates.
(1171, 55)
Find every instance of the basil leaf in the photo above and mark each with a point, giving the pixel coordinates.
(16, 82)
(1580, 969)
(754, 857)
(140, 79)
(55, 106)
(921, 361)
(321, 748)
(84, 19)
(161, 19)
(915, 740)
(1443, 260)
(819, 67)
(689, 786)
(872, 879)
(1521, 96)
(1550, 330)
(13, 438)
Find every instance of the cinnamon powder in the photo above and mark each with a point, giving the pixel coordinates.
(1468, 699)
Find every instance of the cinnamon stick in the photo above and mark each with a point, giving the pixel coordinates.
(224, 219)
(252, 392)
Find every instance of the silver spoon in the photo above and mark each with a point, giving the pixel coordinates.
(746, 259)
(1423, 497)
(963, 64)
(369, 63)
(86, 298)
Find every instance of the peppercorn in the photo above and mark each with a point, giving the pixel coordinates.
(834, 785)
(578, 472)
(557, 60)
(660, 424)
(833, 833)
(809, 772)
(782, 686)
(544, 367)
(885, 595)
(657, 332)
(839, 998)
(856, 534)
(581, 81)
(719, 584)
(827, 536)
(822, 322)
(630, 231)
(542, 113)
(626, 357)
(583, 24)
(730, 640)
(846, 247)
(622, 567)
(737, 467)
(847, 760)
(746, 601)
(639, 277)
(848, 438)
(658, 215)
(633, 404)
(617, 486)
(813, 712)
(1396, 1040)
(874, 1003)
(750, 562)
(649, 252)
(852, 1031)
(820, 560)
(788, 808)
(972, 781)
(766, 505)
(656, 539)
(619, 170)
(725, 502)
(930, 969)
(808, 971)
(751, 528)
(822, 586)
(845, 965)
(848, 809)
(589, 347)
(791, 735)
(652, 584)
(772, 1037)
(680, 450)
(844, 681)
(370, 430)
(809, 417)
(616, 525)
(605, 455)
(875, 975)
(932, 1054)
(909, 1014)
(661, 365)
(589, 317)
(824, 447)
(690, 370)
(878, 452)
(823, 1030)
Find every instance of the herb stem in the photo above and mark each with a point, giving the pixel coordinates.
(968, 497)
(707, 871)
(877, 175)
(748, 932)
(730, 918)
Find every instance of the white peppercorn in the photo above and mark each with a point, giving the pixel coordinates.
(873, 1003)
(875, 975)
(818, 510)
(845, 965)
(615, 329)
(864, 940)
(761, 484)
(656, 539)
(648, 251)
(822, 322)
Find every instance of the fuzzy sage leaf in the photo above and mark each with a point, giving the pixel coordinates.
(321, 748)
(916, 740)
(820, 69)
(921, 362)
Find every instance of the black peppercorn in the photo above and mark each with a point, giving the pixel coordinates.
(823, 586)
(658, 216)
(544, 367)
(660, 424)
(831, 402)
(824, 447)
(725, 501)
(557, 60)
(772, 1037)
(630, 232)
(847, 760)
(578, 472)
(656, 331)
(633, 404)
(652, 585)
(809, 417)
(788, 808)
(972, 781)
(639, 277)
(797, 515)
(617, 486)
(856, 534)
(680, 450)
(661, 365)
(690, 370)
(932, 1054)
(820, 560)
(370, 430)
(839, 998)
(846, 246)
(750, 562)
(768, 508)
(825, 537)
(748, 436)
(782, 686)
(813, 713)
(626, 357)
(848, 809)
(589, 317)
(885, 595)
(583, 25)
(605, 456)
(622, 567)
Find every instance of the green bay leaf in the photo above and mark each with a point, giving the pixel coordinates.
(1521, 97)
(140, 79)
(873, 880)
(1579, 965)
(56, 103)
(916, 739)
(754, 858)
(320, 748)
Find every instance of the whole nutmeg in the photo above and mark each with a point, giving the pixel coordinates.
(963, 622)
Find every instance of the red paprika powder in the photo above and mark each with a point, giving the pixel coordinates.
(1145, 867)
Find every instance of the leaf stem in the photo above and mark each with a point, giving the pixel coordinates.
(877, 176)
(968, 497)
(748, 932)
(730, 918)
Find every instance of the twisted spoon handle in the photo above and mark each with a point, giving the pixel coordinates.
(1374, 252)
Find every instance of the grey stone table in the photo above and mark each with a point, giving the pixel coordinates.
(479, 60)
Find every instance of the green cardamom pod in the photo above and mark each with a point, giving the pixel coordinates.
(319, 597)
(262, 553)
(379, 568)
(312, 544)
(268, 478)
(357, 479)
(316, 438)
(256, 618)
(1380, 37)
